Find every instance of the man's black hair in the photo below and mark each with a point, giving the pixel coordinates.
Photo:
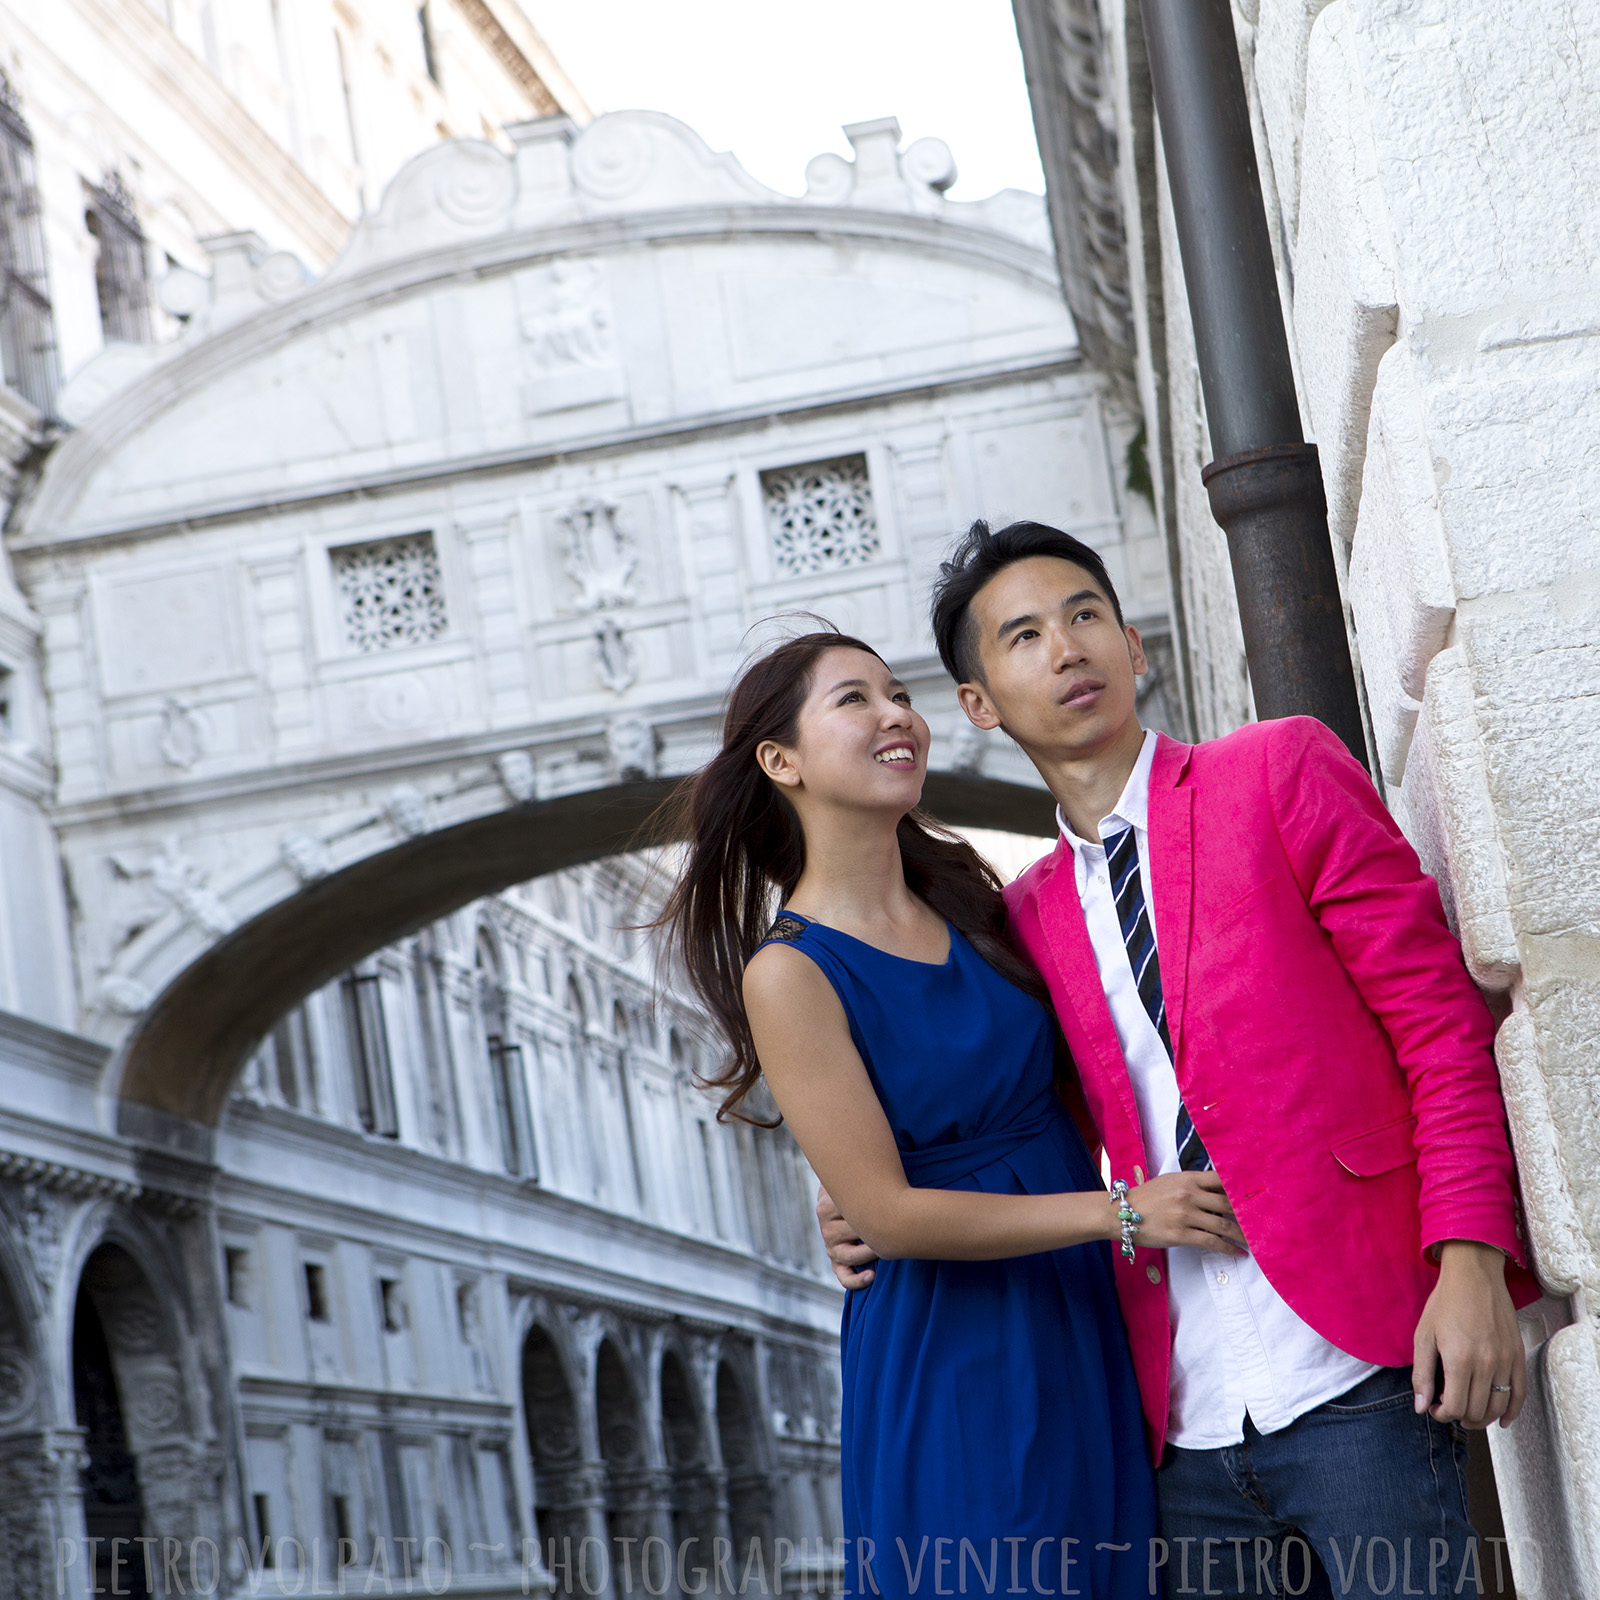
(982, 554)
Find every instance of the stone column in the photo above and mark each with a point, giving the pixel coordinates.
(42, 1549)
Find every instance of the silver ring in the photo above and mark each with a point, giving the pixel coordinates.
(1500, 1388)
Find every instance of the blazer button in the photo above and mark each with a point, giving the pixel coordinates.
(1153, 1274)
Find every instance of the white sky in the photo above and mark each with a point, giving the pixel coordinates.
(773, 83)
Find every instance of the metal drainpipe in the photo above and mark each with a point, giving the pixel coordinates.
(1265, 485)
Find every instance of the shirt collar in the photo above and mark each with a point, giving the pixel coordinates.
(1132, 809)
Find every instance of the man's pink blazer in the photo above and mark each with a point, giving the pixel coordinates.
(1334, 1054)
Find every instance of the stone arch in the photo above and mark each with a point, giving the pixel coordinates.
(741, 1445)
(632, 1485)
(39, 1490)
(698, 1505)
(190, 1044)
(150, 1459)
(562, 1490)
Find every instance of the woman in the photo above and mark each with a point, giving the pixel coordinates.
(990, 1409)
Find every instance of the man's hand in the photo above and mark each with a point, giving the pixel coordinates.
(1470, 1326)
(852, 1260)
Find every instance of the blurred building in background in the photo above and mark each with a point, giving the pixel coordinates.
(399, 466)
(1433, 200)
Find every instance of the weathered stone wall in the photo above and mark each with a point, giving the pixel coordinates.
(1431, 177)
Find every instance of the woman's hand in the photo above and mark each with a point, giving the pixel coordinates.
(1187, 1208)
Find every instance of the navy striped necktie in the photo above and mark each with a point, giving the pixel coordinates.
(1138, 938)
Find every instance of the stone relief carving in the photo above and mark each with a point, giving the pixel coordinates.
(180, 881)
(305, 856)
(967, 748)
(517, 775)
(565, 317)
(601, 555)
(616, 661)
(631, 744)
(182, 740)
(407, 810)
(567, 322)
(16, 1387)
(41, 1218)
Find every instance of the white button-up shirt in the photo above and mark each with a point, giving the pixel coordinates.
(1237, 1348)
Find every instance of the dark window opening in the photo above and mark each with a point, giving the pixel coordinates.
(120, 277)
(429, 60)
(368, 1038)
(260, 1506)
(27, 331)
(316, 1292)
(505, 1071)
(236, 1259)
(394, 1307)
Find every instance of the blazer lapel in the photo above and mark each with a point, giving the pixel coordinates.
(1078, 978)
(1171, 823)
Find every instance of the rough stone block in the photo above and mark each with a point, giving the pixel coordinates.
(1561, 1254)
(1400, 589)
(1536, 1479)
(1344, 297)
(1485, 129)
(1283, 42)
(1516, 447)
(1535, 665)
(1450, 820)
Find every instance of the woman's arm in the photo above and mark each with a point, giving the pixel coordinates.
(821, 1086)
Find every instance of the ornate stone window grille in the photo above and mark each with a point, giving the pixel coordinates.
(27, 332)
(120, 278)
(820, 516)
(390, 593)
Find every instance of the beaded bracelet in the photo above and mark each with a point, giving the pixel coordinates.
(1127, 1216)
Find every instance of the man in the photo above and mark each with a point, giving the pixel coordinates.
(1254, 974)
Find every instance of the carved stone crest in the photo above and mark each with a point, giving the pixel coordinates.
(616, 663)
(601, 555)
(182, 741)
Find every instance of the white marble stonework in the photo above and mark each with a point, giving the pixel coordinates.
(1429, 173)
(555, 401)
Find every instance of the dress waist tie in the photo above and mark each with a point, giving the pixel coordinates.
(937, 1166)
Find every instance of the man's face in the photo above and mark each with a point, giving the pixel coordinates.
(1058, 669)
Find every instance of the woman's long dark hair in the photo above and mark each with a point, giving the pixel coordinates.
(746, 852)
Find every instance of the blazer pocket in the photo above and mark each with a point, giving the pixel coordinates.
(1378, 1150)
(1236, 911)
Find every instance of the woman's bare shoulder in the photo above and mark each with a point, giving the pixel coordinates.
(777, 970)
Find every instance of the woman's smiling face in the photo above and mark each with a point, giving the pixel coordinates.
(859, 741)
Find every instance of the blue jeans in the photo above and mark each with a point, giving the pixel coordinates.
(1360, 1496)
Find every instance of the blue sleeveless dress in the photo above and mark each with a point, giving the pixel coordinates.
(992, 1436)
